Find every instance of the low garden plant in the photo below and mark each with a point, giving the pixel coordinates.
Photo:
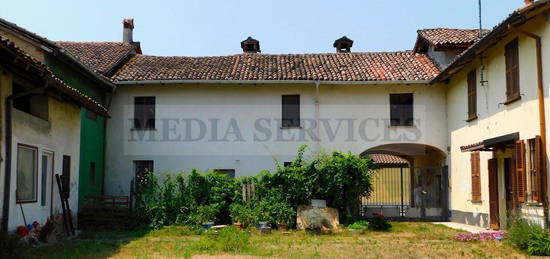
(379, 223)
(197, 198)
(359, 225)
(529, 237)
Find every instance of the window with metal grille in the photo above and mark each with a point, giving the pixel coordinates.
(291, 111)
(401, 109)
(144, 113)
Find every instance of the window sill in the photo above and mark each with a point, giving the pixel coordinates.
(291, 127)
(402, 126)
(145, 129)
(23, 202)
(512, 100)
(477, 201)
(533, 204)
(471, 118)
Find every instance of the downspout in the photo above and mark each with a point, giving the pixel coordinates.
(317, 116)
(542, 115)
(8, 157)
(110, 97)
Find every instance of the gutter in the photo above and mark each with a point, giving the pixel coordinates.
(8, 156)
(254, 82)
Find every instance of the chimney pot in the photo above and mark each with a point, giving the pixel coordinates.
(343, 44)
(528, 2)
(128, 30)
(250, 45)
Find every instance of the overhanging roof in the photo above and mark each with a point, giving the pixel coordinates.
(490, 144)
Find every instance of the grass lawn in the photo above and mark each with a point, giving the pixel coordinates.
(406, 240)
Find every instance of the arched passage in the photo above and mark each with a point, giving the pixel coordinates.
(415, 190)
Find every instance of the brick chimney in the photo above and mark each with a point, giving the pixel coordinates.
(528, 2)
(250, 45)
(343, 45)
(128, 30)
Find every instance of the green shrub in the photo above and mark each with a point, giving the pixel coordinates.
(528, 237)
(359, 225)
(196, 198)
(379, 223)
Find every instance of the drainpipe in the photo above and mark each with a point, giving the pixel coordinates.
(317, 116)
(542, 115)
(7, 181)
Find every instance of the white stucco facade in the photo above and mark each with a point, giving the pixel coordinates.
(494, 119)
(351, 117)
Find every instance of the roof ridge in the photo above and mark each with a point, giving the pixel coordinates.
(287, 54)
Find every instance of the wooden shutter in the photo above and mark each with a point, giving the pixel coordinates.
(472, 95)
(537, 173)
(520, 171)
(476, 179)
(512, 70)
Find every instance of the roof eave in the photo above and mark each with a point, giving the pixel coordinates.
(254, 82)
(53, 48)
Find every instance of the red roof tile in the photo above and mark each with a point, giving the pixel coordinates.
(388, 159)
(378, 66)
(103, 57)
(54, 81)
(451, 37)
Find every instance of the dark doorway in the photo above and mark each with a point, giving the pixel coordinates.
(494, 216)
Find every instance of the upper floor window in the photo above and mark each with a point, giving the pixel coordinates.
(512, 71)
(144, 112)
(36, 105)
(291, 111)
(401, 109)
(472, 96)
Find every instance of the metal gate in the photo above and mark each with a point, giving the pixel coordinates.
(408, 193)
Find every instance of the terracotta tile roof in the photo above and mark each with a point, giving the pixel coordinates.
(491, 37)
(54, 81)
(377, 66)
(103, 57)
(451, 37)
(388, 159)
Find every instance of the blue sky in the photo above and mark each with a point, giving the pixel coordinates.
(216, 27)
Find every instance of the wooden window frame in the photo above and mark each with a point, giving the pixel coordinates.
(142, 114)
(472, 95)
(535, 170)
(511, 54)
(476, 176)
(401, 115)
(35, 198)
(291, 114)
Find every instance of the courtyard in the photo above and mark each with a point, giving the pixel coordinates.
(404, 240)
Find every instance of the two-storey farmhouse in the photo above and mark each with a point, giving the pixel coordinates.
(458, 123)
